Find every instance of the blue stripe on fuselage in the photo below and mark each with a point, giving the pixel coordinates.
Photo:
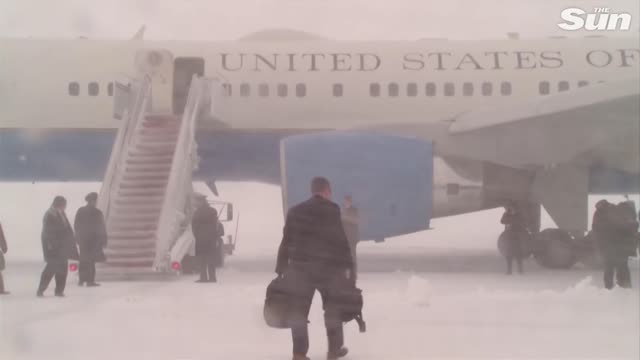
(83, 154)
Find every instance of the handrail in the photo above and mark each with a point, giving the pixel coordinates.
(126, 131)
(179, 188)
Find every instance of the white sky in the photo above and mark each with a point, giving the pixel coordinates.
(339, 19)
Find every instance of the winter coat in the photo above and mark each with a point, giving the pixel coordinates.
(313, 233)
(207, 231)
(91, 233)
(58, 244)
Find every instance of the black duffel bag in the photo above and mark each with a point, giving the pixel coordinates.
(278, 304)
(347, 300)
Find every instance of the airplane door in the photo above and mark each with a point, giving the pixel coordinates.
(183, 70)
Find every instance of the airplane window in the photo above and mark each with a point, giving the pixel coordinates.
(394, 90)
(487, 88)
(449, 89)
(583, 83)
(263, 90)
(338, 90)
(412, 89)
(544, 88)
(505, 88)
(283, 90)
(431, 89)
(94, 89)
(110, 89)
(467, 89)
(374, 89)
(245, 90)
(74, 89)
(226, 87)
(563, 86)
(301, 90)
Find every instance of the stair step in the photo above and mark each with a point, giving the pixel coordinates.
(139, 201)
(144, 184)
(160, 168)
(144, 176)
(153, 192)
(146, 152)
(136, 158)
(128, 235)
(162, 118)
(130, 254)
(129, 217)
(137, 226)
(145, 262)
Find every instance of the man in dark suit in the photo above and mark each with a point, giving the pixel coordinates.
(207, 231)
(91, 235)
(58, 246)
(315, 255)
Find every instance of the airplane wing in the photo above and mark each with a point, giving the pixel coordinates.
(591, 126)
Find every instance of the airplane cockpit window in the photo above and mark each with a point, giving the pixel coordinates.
(430, 89)
(449, 89)
(338, 90)
(263, 90)
(283, 90)
(505, 88)
(563, 86)
(110, 89)
(94, 89)
(394, 90)
(374, 89)
(74, 89)
(583, 83)
(467, 89)
(487, 88)
(301, 90)
(412, 89)
(245, 90)
(544, 88)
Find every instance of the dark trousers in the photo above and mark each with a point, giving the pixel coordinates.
(207, 267)
(59, 270)
(87, 272)
(518, 260)
(307, 278)
(2, 289)
(618, 266)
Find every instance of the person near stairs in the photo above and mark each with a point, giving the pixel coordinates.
(206, 229)
(3, 250)
(58, 247)
(91, 235)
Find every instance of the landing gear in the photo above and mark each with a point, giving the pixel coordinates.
(555, 249)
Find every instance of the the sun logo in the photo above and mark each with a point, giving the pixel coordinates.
(600, 19)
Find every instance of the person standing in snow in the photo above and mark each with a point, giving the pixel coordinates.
(315, 255)
(351, 223)
(207, 232)
(3, 250)
(515, 233)
(58, 246)
(91, 234)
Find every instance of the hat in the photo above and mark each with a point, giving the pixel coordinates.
(91, 197)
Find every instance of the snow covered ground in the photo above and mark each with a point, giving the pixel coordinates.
(434, 295)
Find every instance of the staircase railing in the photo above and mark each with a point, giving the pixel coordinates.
(137, 107)
(178, 193)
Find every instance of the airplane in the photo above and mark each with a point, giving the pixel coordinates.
(413, 130)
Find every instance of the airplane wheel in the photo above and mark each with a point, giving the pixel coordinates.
(556, 250)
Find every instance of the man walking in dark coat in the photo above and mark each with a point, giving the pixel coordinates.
(515, 232)
(315, 255)
(607, 235)
(351, 224)
(208, 232)
(3, 250)
(91, 235)
(58, 246)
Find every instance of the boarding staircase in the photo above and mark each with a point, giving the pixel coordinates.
(147, 191)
